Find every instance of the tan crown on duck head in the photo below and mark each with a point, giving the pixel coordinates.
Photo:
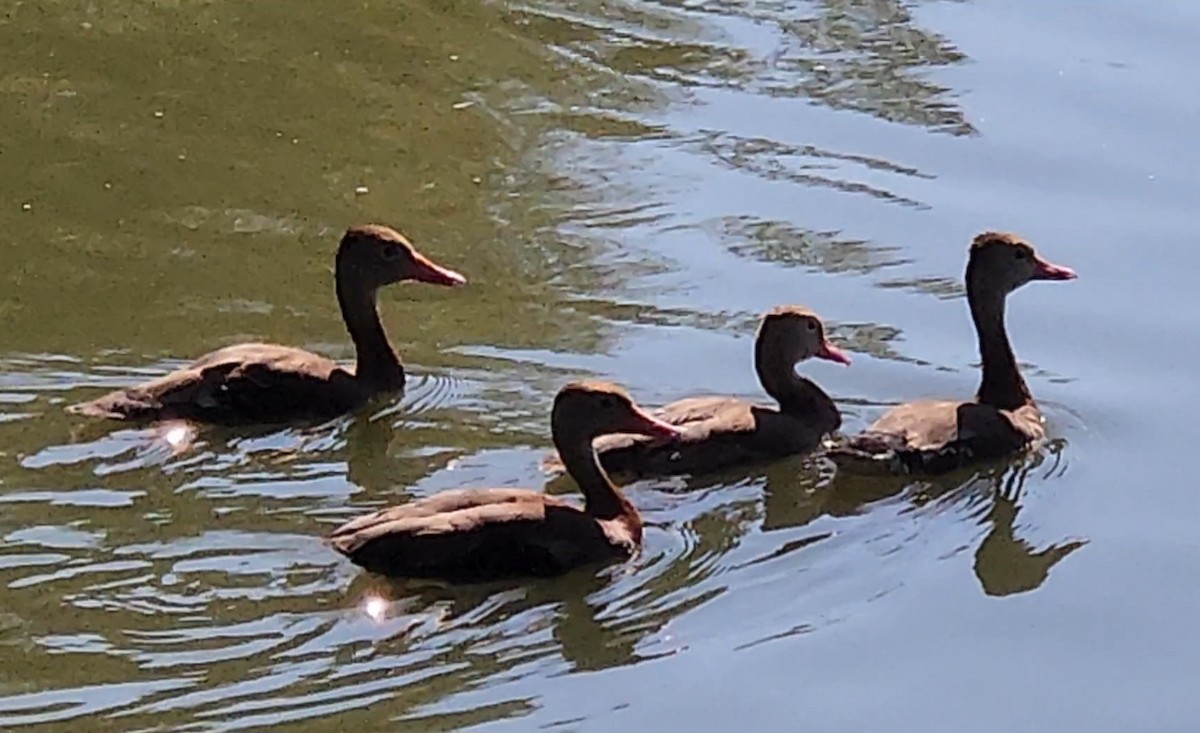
(1001, 262)
(984, 239)
(374, 255)
(595, 406)
(794, 333)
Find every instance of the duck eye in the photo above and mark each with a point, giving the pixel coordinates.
(607, 402)
(810, 325)
(1022, 254)
(391, 252)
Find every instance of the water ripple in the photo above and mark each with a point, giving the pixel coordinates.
(605, 159)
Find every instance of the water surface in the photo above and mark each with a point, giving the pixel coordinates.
(628, 186)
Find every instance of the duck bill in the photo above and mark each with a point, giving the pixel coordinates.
(646, 424)
(829, 352)
(426, 270)
(1043, 270)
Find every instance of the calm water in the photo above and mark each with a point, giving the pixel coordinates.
(627, 185)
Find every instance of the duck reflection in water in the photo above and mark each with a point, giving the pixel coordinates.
(797, 492)
(1004, 563)
(510, 613)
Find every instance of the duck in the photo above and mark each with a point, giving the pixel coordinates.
(939, 436)
(720, 432)
(476, 534)
(257, 383)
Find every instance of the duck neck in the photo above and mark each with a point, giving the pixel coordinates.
(796, 395)
(1002, 385)
(601, 497)
(377, 363)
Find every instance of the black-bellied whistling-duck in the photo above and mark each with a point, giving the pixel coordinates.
(936, 436)
(478, 534)
(720, 432)
(267, 383)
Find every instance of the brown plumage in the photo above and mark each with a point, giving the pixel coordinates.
(267, 383)
(719, 432)
(477, 534)
(935, 436)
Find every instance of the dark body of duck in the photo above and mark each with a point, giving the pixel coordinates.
(719, 432)
(936, 436)
(480, 534)
(260, 383)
